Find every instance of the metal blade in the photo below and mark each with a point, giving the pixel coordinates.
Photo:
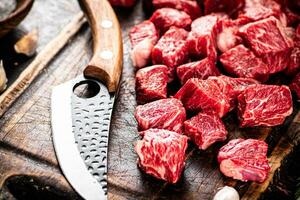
(80, 134)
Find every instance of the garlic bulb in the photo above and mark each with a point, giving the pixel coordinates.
(227, 193)
(27, 44)
(3, 79)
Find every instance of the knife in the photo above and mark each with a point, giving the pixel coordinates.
(80, 125)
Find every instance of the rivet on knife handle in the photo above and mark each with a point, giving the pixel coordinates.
(106, 63)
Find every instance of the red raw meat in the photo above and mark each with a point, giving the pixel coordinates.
(245, 160)
(191, 7)
(205, 129)
(269, 41)
(171, 50)
(294, 65)
(264, 105)
(164, 114)
(295, 85)
(291, 8)
(162, 153)
(232, 87)
(203, 95)
(164, 18)
(227, 37)
(242, 62)
(123, 3)
(200, 69)
(202, 38)
(255, 10)
(143, 37)
(228, 6)
(151, 83)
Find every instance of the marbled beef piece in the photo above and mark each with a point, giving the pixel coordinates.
(268, 40)
(228, 6)
(165, 18)
(166, 114)
(171, 50)
(151, 83)
(227, 37)
(203, 95)
(199, 69)
(242, 62)
(255, 10)
(232, 87)
(202, 38)
(191, 7)
(205, 129)
(264, 105)
(143, 37)
(245, 160)
(162, 153)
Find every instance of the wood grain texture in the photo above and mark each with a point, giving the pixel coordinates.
(25, 134)
(106, 63)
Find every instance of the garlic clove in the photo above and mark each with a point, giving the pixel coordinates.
(27, 44)
(227, 193)
(3, 79)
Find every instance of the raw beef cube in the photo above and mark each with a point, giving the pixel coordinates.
(228, 6)
(264, 105)
(295, 85)
(143, 37)
(268, 40)
(232, 87)
(245, 160)
(191, 7)
(162, 153)
(164, 114)
(200, 69)
(255, 10)
(164, 18)
(151, 83)
(171, 50)
(205, 129)
(123, 3)
(203, 95)
(202, 38)
(242, 62)
(227, 37)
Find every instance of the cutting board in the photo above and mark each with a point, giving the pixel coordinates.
(29, 169)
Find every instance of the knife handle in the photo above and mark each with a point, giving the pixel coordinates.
(107, 60)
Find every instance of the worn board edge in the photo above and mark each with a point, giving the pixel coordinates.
(39, 63)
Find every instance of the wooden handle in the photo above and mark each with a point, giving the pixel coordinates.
(107, 60)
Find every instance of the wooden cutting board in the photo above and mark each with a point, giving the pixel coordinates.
(29, 168)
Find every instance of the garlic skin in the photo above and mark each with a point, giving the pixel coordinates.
(27, 44)
(3, 79)
(227, 193)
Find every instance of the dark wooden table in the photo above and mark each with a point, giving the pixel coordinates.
(29, 169)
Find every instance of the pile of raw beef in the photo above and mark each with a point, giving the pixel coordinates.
(222, 52)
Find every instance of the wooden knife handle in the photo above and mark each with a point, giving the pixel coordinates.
(107, 60)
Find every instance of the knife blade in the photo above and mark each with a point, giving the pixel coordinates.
(80, 126)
